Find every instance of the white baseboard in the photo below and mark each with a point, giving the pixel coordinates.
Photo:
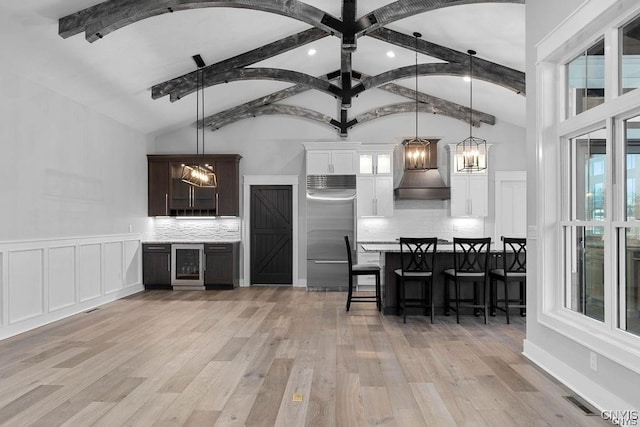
(301, 283)
(582, 385)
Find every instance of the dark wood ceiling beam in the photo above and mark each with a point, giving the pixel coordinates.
(441, 106)
(282, 109)
(401, 108)
(346, 72)
(263, 74)
(348, 29)
(406, 8)
(440, 69)
(188, 81)
(223, 116)
(103, 18)
(449, 55)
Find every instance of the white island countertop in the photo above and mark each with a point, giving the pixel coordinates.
(395, 247)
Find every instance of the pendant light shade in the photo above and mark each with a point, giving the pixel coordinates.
(471, 154)
(417, 151)
(196, 174)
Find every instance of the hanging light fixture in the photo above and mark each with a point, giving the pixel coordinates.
(417, 151)
(471, 154)
(197, 174)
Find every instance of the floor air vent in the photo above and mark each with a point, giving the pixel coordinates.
(580, 404)
(92, 310)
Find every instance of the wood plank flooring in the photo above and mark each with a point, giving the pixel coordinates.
(273, 357)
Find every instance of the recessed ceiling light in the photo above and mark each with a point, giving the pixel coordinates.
(391, 54)
(311, 52)
(466, 79)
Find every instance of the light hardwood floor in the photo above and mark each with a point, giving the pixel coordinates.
(273, 356)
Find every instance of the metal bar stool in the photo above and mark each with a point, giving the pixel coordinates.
(362, 270)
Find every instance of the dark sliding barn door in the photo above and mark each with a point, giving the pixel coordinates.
(271, 235)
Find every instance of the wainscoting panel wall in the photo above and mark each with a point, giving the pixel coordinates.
(26, 284)
(42, 281)
(90, 271)
(62, 277)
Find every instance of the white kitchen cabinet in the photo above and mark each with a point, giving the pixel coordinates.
(469, 194)
(375, 180)
(375, 195)
(331, 162)
(375, 163)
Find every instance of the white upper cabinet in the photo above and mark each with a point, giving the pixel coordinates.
(375, 163)
(469, 190)
(375, 180)
(332, 158)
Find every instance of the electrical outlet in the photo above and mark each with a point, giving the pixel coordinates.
(593, 361)
(130, 228)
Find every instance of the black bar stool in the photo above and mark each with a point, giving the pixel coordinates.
(362, 270)
(514, 259)
(470, 265)
(417, 260)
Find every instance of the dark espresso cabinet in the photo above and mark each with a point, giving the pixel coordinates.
(156, 265)
(170, 196)
(221, 265)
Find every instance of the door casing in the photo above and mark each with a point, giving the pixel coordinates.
(248, 181)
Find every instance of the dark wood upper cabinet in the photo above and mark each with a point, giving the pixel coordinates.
(169, 196)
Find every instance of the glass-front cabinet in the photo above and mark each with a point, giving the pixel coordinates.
(375, 180)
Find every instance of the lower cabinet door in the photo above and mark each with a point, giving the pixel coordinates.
(156, 269)
(219, 267)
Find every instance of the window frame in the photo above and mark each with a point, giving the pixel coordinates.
(553, 131)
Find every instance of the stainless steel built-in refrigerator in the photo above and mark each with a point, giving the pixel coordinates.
(331, 213)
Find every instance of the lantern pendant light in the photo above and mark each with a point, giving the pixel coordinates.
(417, 150)
(471, 154)
(201, 174)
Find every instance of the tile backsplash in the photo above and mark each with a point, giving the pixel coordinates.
(172, 229)
(412, 222)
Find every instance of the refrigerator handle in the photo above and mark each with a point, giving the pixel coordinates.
(331, 262)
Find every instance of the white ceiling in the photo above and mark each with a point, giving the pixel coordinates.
(114, 75)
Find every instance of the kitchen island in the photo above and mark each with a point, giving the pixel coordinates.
(390, 261)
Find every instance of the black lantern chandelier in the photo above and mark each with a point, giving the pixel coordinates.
(471, 154)
(417, 151)
(199, 174)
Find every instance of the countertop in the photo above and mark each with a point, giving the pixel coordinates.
(181, 241)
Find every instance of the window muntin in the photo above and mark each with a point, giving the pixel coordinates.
(585, 80)
(630, 56)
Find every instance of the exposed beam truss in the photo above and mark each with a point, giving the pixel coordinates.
(103, 18)
(405, 8)
(427, 104)
(187, 83)
(514, 78)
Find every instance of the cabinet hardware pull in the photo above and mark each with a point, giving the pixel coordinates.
(155, 247)
(169, 263)
(217, 213)
(166, 203)
(330, 262)
(204, 261)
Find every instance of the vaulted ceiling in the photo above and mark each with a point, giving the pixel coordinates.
(135, 62)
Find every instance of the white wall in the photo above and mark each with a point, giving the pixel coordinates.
(66, 170)
(272, 145)
(74, 192)
(561, 355)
